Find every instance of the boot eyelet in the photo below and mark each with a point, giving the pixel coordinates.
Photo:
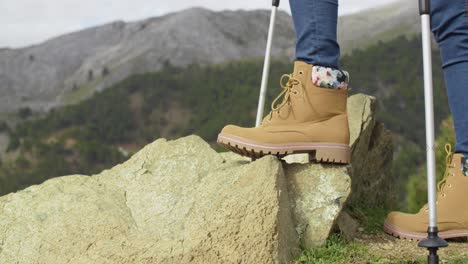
(444, 195)
(450, 185)
(301, 72)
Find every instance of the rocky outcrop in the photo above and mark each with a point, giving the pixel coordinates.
(181, 202)
(318, 194)
(175, 202)
(372, 155)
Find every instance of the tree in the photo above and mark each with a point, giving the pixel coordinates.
(13, 144)
(24, 112)
(4, 127)
(105, 71)
(90, 75)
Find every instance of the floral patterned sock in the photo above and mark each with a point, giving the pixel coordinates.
(331, 78)
(464, 166)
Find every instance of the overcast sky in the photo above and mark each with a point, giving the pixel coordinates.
(26, 22)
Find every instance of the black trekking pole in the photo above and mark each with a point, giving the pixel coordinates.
(266, 65)
(433, 242)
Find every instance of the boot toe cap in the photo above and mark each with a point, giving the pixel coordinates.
(231, 130)
(241, 132)
(406, 222)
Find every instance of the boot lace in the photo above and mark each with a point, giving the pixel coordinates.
(287, 82)
(448, 164)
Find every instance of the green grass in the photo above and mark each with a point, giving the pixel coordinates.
(373, 246)
(337, 250)
(456, 260)
(370, 219)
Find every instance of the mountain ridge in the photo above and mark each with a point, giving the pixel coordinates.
(40, 76)
(69, 68)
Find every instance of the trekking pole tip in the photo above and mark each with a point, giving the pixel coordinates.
(433, 243)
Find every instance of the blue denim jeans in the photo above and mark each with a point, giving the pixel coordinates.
(315, 22)
(450, 27)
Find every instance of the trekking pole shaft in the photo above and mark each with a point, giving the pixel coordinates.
(266, 65)
(429, 110)
(433, 242)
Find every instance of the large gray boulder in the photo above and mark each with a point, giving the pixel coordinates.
(172, 202)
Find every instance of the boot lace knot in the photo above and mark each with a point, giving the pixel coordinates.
(287, 82)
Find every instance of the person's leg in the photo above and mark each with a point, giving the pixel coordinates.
(315, 22)
(450, 28)
(456, 79)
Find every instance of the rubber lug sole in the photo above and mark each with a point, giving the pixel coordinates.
(320, 152)
(394, 231)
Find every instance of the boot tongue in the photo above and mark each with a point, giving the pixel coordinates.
(302, 70)
(300, 64)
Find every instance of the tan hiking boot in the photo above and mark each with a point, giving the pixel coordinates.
(452, 207)
(309, 119)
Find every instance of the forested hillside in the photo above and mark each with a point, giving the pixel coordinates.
(103, 130)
